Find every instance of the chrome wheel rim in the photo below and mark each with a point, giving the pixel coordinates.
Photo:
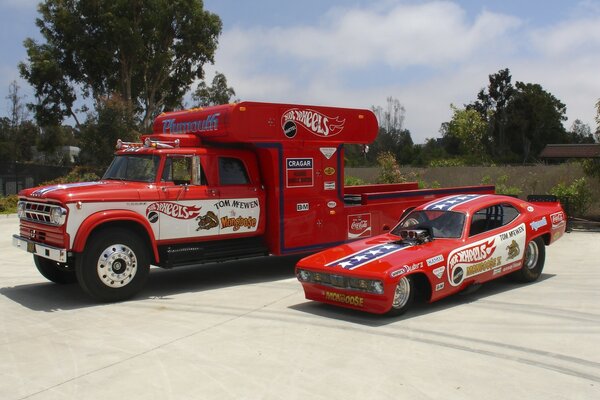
(531, 255)
(117, 265)
(402, 293)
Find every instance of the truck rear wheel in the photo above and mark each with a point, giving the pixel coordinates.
(114, 265)
(55, 271)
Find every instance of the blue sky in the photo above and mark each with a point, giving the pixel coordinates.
(355, 53)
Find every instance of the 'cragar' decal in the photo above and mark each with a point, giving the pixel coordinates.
(315, 122)
(299, 172)
(366, 256)
(485, 255)
(174, 210)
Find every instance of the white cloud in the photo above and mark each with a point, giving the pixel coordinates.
(426, 54)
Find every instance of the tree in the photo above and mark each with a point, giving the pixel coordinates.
(580, 133)
(146, 51)
(18, 112)
(217, 93)
(392, 137)
(534, 119)
(492, 106)
(101, 130)
(468, 129)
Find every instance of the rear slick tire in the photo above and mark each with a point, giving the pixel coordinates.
(404, 295)
(114, 265)
(533, 262)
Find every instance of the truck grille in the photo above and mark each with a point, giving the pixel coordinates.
(37, 212)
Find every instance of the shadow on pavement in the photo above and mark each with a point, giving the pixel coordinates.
(51, 297)
(419, 309)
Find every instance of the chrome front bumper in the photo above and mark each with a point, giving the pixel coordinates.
(42, 250)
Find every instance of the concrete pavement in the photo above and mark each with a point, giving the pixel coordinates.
(243, 330)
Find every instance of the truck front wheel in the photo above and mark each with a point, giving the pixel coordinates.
(114, 265)
(55, 271)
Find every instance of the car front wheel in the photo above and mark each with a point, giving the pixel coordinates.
(114, 265)
(55, 271)
(404, 295)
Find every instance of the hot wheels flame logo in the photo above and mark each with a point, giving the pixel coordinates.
(476, 253)
(317, 123)
(174, 210)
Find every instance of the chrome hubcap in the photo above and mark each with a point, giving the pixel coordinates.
(531, 255)
(402, 293)
(117, 265)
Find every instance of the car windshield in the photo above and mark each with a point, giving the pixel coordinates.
(441, 224)
(140, 168)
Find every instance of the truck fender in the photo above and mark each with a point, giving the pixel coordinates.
(107, 217)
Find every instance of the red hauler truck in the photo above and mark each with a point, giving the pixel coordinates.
(213, 184)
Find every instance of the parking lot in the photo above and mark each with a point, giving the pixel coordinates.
(243, 330)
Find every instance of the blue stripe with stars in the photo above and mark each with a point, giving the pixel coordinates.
(449, 203)
(366, 256)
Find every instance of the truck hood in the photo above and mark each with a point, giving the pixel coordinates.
(87, 191)
(376, 257)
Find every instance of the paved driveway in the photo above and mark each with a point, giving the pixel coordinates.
(243, 330)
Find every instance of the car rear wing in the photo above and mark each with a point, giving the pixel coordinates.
(549, 198)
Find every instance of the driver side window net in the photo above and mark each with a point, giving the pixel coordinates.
(492, 217)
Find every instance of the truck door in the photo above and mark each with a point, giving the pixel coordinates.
(241, 198)
(187, 209)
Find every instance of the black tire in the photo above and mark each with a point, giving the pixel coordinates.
(55, 271)
(404, 296)
(533, 262)
(114, 265)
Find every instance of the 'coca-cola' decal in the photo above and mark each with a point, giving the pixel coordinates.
(178, 211)
(315, 122)
(359, 225)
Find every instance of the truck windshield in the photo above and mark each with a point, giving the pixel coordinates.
(140, 168)
(442, 224)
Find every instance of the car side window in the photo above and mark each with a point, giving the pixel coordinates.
(183, 170)
(232, 171)
(492, 217)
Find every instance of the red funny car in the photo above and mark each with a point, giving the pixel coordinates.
(439, 248)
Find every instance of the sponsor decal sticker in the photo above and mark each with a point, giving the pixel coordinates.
(299, 172)
(558, 219)
(238, 222)
(513, 233)
(450, 203)
(329, 171)
(359, 225)
(513, 250)
(530, 208)
(315, 122)
(496, 271)
(331, 204)
(356, 301)
(470, 256)
(434, 260)
(207, 221)
(210, 123)
(173, 210)
(535, 225)
(302, 207)
(329, 185)
(358, 259)
(153, 217)
(510, 267)
(328, 151)
(406, 269)
(439, 272)
(439, 286)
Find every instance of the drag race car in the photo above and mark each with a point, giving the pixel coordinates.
(438, 249)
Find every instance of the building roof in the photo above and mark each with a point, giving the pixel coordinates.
(571, 151)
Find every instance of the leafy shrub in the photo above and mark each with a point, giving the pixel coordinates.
(77, 174)
(8, 204)
(389, 170)
(447, 162)
(501, 185)
(578, 196)
(353, 181)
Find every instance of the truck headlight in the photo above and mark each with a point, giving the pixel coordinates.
(58, 215)
(21, 209)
